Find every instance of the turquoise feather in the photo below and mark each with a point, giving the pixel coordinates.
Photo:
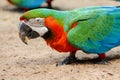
(97, 30)
(27, 3)
(99, 33)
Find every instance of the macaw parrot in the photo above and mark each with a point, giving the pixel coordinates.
(94, 30)
(30, 4)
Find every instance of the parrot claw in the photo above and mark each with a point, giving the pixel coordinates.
(68, 60)
(101, 61)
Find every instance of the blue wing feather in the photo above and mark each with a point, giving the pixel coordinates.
(32, 3)
(101, 45)
(113, 38)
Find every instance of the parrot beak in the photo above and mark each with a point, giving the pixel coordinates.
(23, 38)
(23, 32)
(26, 33)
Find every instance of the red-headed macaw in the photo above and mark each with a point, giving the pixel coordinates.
(92, 29)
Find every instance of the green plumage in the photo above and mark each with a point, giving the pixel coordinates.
(95, 34)
(97, 29)
(43, 13)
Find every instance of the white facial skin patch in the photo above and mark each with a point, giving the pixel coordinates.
(41, 30)
(38, 25)
(37, 22)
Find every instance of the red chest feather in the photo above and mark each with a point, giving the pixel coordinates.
(59, 39)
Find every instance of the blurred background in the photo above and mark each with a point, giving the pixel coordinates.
(37, 61)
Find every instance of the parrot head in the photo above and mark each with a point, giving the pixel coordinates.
(36, 23)
(32, 28)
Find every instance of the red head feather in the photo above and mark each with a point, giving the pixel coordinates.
(10, 1)
(21, 18)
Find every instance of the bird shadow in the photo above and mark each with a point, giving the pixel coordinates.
(95, 60)
(51, 61)
(53, 8)
(12, 9)
(117, 0)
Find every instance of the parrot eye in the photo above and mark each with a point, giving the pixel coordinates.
(37, 22)
(40, 20)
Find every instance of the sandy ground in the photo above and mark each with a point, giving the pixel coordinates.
(37, 61)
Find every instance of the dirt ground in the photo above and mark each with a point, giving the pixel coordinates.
(37, 60)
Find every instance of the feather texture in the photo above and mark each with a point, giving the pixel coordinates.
(99, 33)
(27, 3)
(96, 29)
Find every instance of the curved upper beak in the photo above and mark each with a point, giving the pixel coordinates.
(24, 30)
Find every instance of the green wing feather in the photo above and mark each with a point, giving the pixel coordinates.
(96, 26)
(93, 26)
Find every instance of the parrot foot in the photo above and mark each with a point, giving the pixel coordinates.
(101, 61)
(68, 60)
